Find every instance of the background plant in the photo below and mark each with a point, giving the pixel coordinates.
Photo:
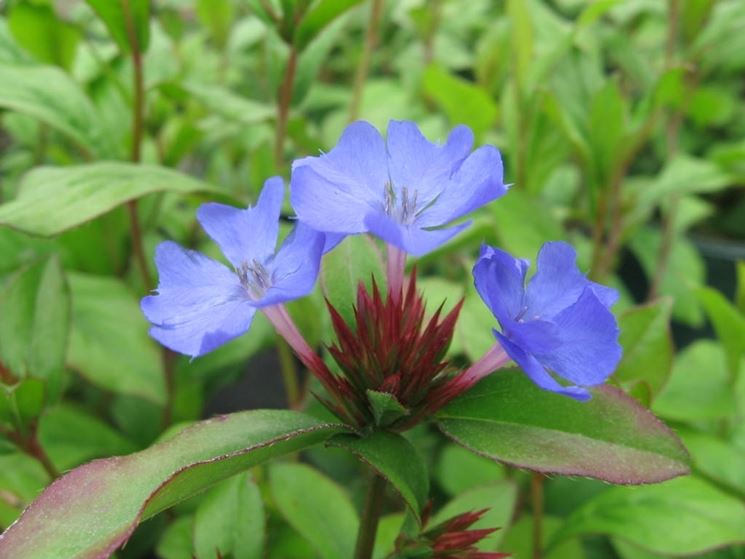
(621, 124)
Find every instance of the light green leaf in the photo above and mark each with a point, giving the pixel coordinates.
(682, 516)
(55, 199)
(114, 15)
(699, 387)
(519, 540)
(463, 102)
(521, 32)
(647, 345)
(716, 459)
(92, 511)
(317, 508)
(524, 223)
(686, 175)
(109, 344)
(459, 470)
(229, 105)
(49, 95)
(230, 520)
(729, 325)
(176, 542)
(355, 260)
(397, 460)
(507, 418)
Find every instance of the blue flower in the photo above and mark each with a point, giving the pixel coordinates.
(560, 323)
(202, 304)
(403, 190)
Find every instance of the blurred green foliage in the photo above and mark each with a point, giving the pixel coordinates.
(622, 127)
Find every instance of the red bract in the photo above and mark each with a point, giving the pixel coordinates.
(451, 539)
(391, 359)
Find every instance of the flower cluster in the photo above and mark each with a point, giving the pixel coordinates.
(407, 192)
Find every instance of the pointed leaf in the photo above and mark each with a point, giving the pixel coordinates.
(118, 15)
(317, 508)
(397, 460)
(93, 510)
(385, 407)
(53, 200)
(729, 324)
(611, 437)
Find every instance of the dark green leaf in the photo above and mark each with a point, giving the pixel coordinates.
(53, 200)
(396, 459)
(123, 16)
(317, 508)
(647, 345)
(385, 407)
(611, 437)
(38, 30)
(683, 516)
(35, 306)
(93, 510)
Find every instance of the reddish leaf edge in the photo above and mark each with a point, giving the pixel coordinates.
(120, 539)
(570, 472)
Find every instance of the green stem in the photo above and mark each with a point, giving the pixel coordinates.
(283, 107)
(289, 374)
(536, 497)
(370, 518)
(371, 40)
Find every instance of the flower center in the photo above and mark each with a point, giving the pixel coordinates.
(254, 279)
(403, 208)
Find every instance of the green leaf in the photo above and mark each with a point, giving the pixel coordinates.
(699, 388)
(221, 101)
(729, 325)
(93, 510)
(385, 407)
(321, 14)
(71, 437)
(217, 16)
(499, 498)
(176, 542)
(49, 95)
(607, 127)
(230, 520)
(524, 223)
(55, 199)
(716, 459)
(740, 296)
(39, 31)
(611, 437)
(519, 540)
(686, 175)
(521, 32)
(647, 345)
(114, 15)
(317, 508)
(110, 345)
(462, 101)
(355, 260)
(683, 516)
(459, 470)
(35, 310)
(397, 460)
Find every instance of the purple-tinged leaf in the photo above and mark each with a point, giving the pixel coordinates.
(93, 510)
(611, 437)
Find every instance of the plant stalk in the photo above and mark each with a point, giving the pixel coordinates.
(283, 107)
(370, 518)
(363, 68)
(536, 497)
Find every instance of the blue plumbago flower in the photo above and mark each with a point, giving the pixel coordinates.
(202, 304)
(403, 190)
(560, 323)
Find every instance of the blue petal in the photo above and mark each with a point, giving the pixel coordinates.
(246, 234)
(335, 191)
(477, 182)
(295, 268)
(200, 304)
(558, 283)
(589, 350)
(537, 373)
(409, 238)
(500, 280)
(332, 240)
(419, 165)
